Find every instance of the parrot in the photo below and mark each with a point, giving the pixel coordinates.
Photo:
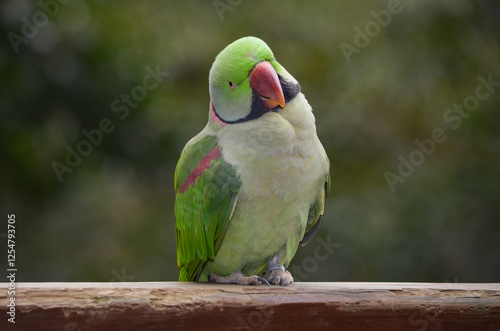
(251, 186)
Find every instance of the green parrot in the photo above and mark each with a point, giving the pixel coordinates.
(251, 186)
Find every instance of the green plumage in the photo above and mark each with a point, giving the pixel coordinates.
(203, 210)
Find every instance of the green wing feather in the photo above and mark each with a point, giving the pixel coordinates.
(315, 212)
(206, 195)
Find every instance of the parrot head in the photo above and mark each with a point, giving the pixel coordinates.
(246, 82)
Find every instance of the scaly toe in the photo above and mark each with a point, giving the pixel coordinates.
(238, 278)
(252, 280)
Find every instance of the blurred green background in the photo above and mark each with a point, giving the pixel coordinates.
(111, 218)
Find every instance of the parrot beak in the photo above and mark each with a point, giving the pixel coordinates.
(264, 80)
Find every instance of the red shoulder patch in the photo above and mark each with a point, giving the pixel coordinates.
(200, 168)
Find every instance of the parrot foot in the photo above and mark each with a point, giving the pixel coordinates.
(276, 275)
(237, 278)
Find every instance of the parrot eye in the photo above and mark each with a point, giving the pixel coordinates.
(232, 85)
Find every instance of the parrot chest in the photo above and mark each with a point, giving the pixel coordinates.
(282, 169)
(272, 210)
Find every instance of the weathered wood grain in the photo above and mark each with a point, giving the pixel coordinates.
(308, 306)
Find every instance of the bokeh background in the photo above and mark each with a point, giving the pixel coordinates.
(111, 217)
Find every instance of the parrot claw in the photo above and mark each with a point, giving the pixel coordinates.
(276, 274)
(263, 280)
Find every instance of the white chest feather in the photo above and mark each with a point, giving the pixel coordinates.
(281, 165)
(278, 156)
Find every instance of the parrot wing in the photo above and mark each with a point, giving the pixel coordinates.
(206, 193)
(315, 212)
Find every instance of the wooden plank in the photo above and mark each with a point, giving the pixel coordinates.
(197, 306)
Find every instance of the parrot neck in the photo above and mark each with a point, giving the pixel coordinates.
(291, 132)
(215, 118)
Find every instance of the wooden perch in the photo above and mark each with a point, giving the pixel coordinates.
(306, 306)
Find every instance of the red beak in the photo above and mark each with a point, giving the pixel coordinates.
(264, 80)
